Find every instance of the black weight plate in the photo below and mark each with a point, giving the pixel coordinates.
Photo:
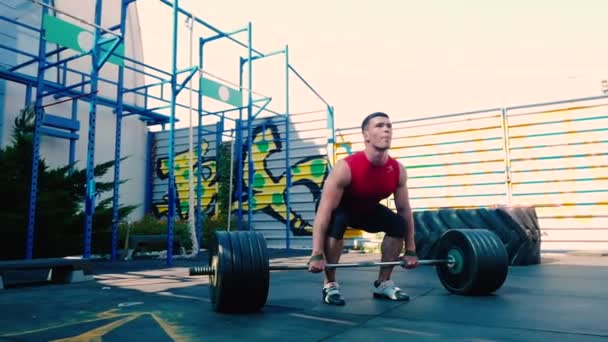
(220, 259)
(236, 288)
(485, 264)
(213, 264)
(456, 282)
(262, 261)
(496, 263)
(242, 275)
(259, 278)
(238, 272)
(251, 292)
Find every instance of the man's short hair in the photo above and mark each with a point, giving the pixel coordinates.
(370, 117)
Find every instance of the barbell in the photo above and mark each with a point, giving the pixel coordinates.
(468, 262)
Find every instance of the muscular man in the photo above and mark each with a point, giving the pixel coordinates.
(351, 196)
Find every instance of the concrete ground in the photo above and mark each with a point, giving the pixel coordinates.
(564, 298)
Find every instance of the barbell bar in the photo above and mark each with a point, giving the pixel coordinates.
(208, 270)
(467, 261)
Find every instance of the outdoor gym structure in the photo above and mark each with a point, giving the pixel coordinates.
(107, 46)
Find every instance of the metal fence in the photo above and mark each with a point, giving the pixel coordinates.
(552, 156)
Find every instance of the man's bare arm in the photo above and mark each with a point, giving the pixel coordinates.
(402, 202)
(338, 179)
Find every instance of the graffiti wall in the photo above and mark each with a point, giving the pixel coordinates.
(308, 169)
(307, 165)
(182, 178)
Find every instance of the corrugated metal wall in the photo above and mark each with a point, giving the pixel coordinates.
(559, 164)
(553, 158)
(160, 160)
(308, 165)
(452, 161)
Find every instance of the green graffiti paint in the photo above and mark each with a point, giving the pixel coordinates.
(258, 181)
(317, 168)
(296, 170)
(277, 198)
(263, 146)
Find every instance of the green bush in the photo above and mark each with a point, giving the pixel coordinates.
(59, 229)
(223, 170)
(150, 225)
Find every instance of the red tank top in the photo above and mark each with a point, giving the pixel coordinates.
(369, 183)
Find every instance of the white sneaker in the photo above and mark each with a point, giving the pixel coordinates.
(332, 295)
(388, 290)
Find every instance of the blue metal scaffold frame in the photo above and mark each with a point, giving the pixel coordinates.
(106, 42)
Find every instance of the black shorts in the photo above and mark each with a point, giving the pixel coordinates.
(380, 219)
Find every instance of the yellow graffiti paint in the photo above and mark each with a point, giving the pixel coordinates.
(269, 190)
(182, 178)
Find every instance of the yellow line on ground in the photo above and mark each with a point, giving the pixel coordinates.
(102, 316)
(96, 334)
(168, 328)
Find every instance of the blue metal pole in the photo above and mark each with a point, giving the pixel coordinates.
(287, 161)
(36, 148)
(171, 217)
(34, 60)
(307, 84)
(250, 132)
(199, 153)
(225, 35)
(118, 141)
(219, 130)
(149, 170)
(72, 155)
(20, 23)
(188, 14)
(58, 92)
(239, 157)
(270, 54)
(90, 185)
(64, 63)
(64, 73)
(504, 121)
(146, 100)
(331, 139)
(239, 185)
(28, 95)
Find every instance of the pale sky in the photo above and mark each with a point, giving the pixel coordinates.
(407, 58)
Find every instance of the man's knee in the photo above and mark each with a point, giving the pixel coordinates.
(397, 227)
(337, 224)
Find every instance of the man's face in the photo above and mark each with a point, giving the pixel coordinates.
(379, 133)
